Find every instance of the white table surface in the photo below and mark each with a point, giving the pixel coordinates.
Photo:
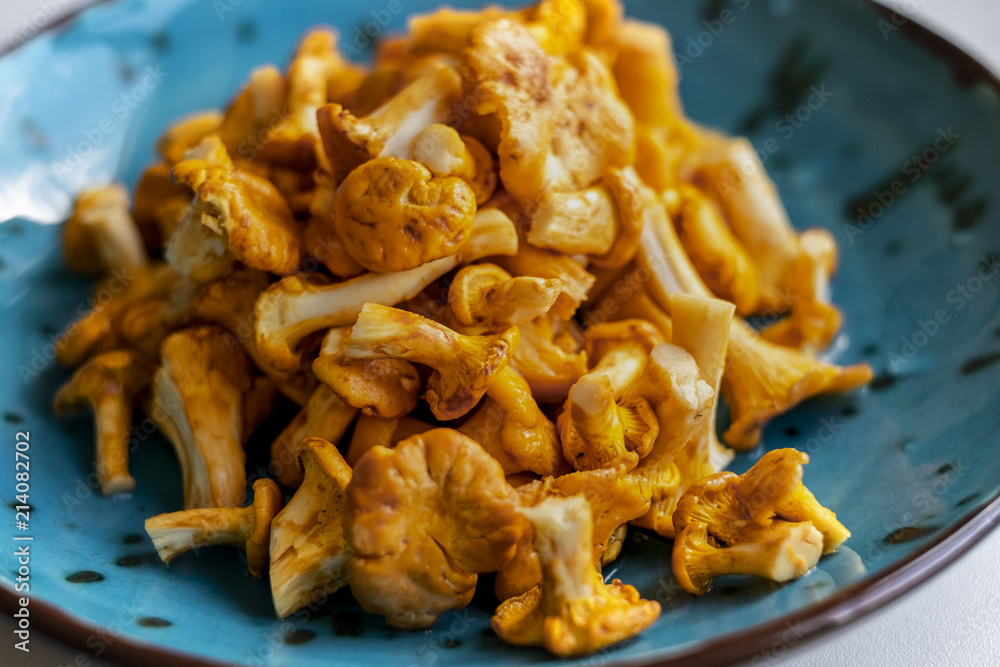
(952, 620)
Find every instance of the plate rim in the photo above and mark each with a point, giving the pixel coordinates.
(813, 622)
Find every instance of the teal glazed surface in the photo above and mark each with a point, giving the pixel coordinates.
(902, 462)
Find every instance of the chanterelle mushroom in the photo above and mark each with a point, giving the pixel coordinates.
(229, 303)
(759, 523)
(762, 380)
(323, 416)
(247, 211)
(424, 519)
(464, 366)
(309, 553)
(510, 426)
(572, 612)
(99, 329)
(390, 130)
(108, 383)
(564, 124)
(614, 499)
(445, 152)
(596, 431)
(394, 215)
(814, 320)
(293, 308)
(378, 387)
(246, 527)
(198, 395)
(484, 295)
(701, 327)
(101, 235)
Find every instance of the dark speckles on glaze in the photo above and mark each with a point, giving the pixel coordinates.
(450, 643)
(298, 636)
(246, 31)
(977, 364)
(154, 622)
(849, 410)
(909, 534)
(160, 41)
(966, 500)
(12, 418)
(791, 431)
(38, 139)
(870, 350)
(126, 72)
(132, 538)
(893, 248)
(883, 382)
(85, 577)
(969, 214)
(128, 561)
(945, 469)
(347, 624)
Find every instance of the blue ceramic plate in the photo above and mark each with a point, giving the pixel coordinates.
(889, 137)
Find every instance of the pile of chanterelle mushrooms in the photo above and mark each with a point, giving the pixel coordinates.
(504, 277)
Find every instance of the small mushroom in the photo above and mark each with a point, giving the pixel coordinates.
(198, 395)
(388, 131)
(464, 366)
(99, 329)
(101, 235)
(614, 498)
(424, 519)
(293, 308)
(484, 295)
(721, 260)
(572, 611)
(445, 152)
(371, 431)
(563, 121)
(701, 327)
(229, 302)
(248, 528)
(510, 426)
(309, 553)
(246, 211)
(324, 416)
(549, 265)
(108, 384)
(759, 523)
(377, 387)
(550, 358)
(395, 215)
(597, 429)
(814, 320)
(187, 133)
(762, 380)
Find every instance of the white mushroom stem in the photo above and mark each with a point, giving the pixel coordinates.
(291, 309)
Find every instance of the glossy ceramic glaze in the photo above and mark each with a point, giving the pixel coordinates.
(903, 463)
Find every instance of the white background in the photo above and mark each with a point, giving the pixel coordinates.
(952, 620)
